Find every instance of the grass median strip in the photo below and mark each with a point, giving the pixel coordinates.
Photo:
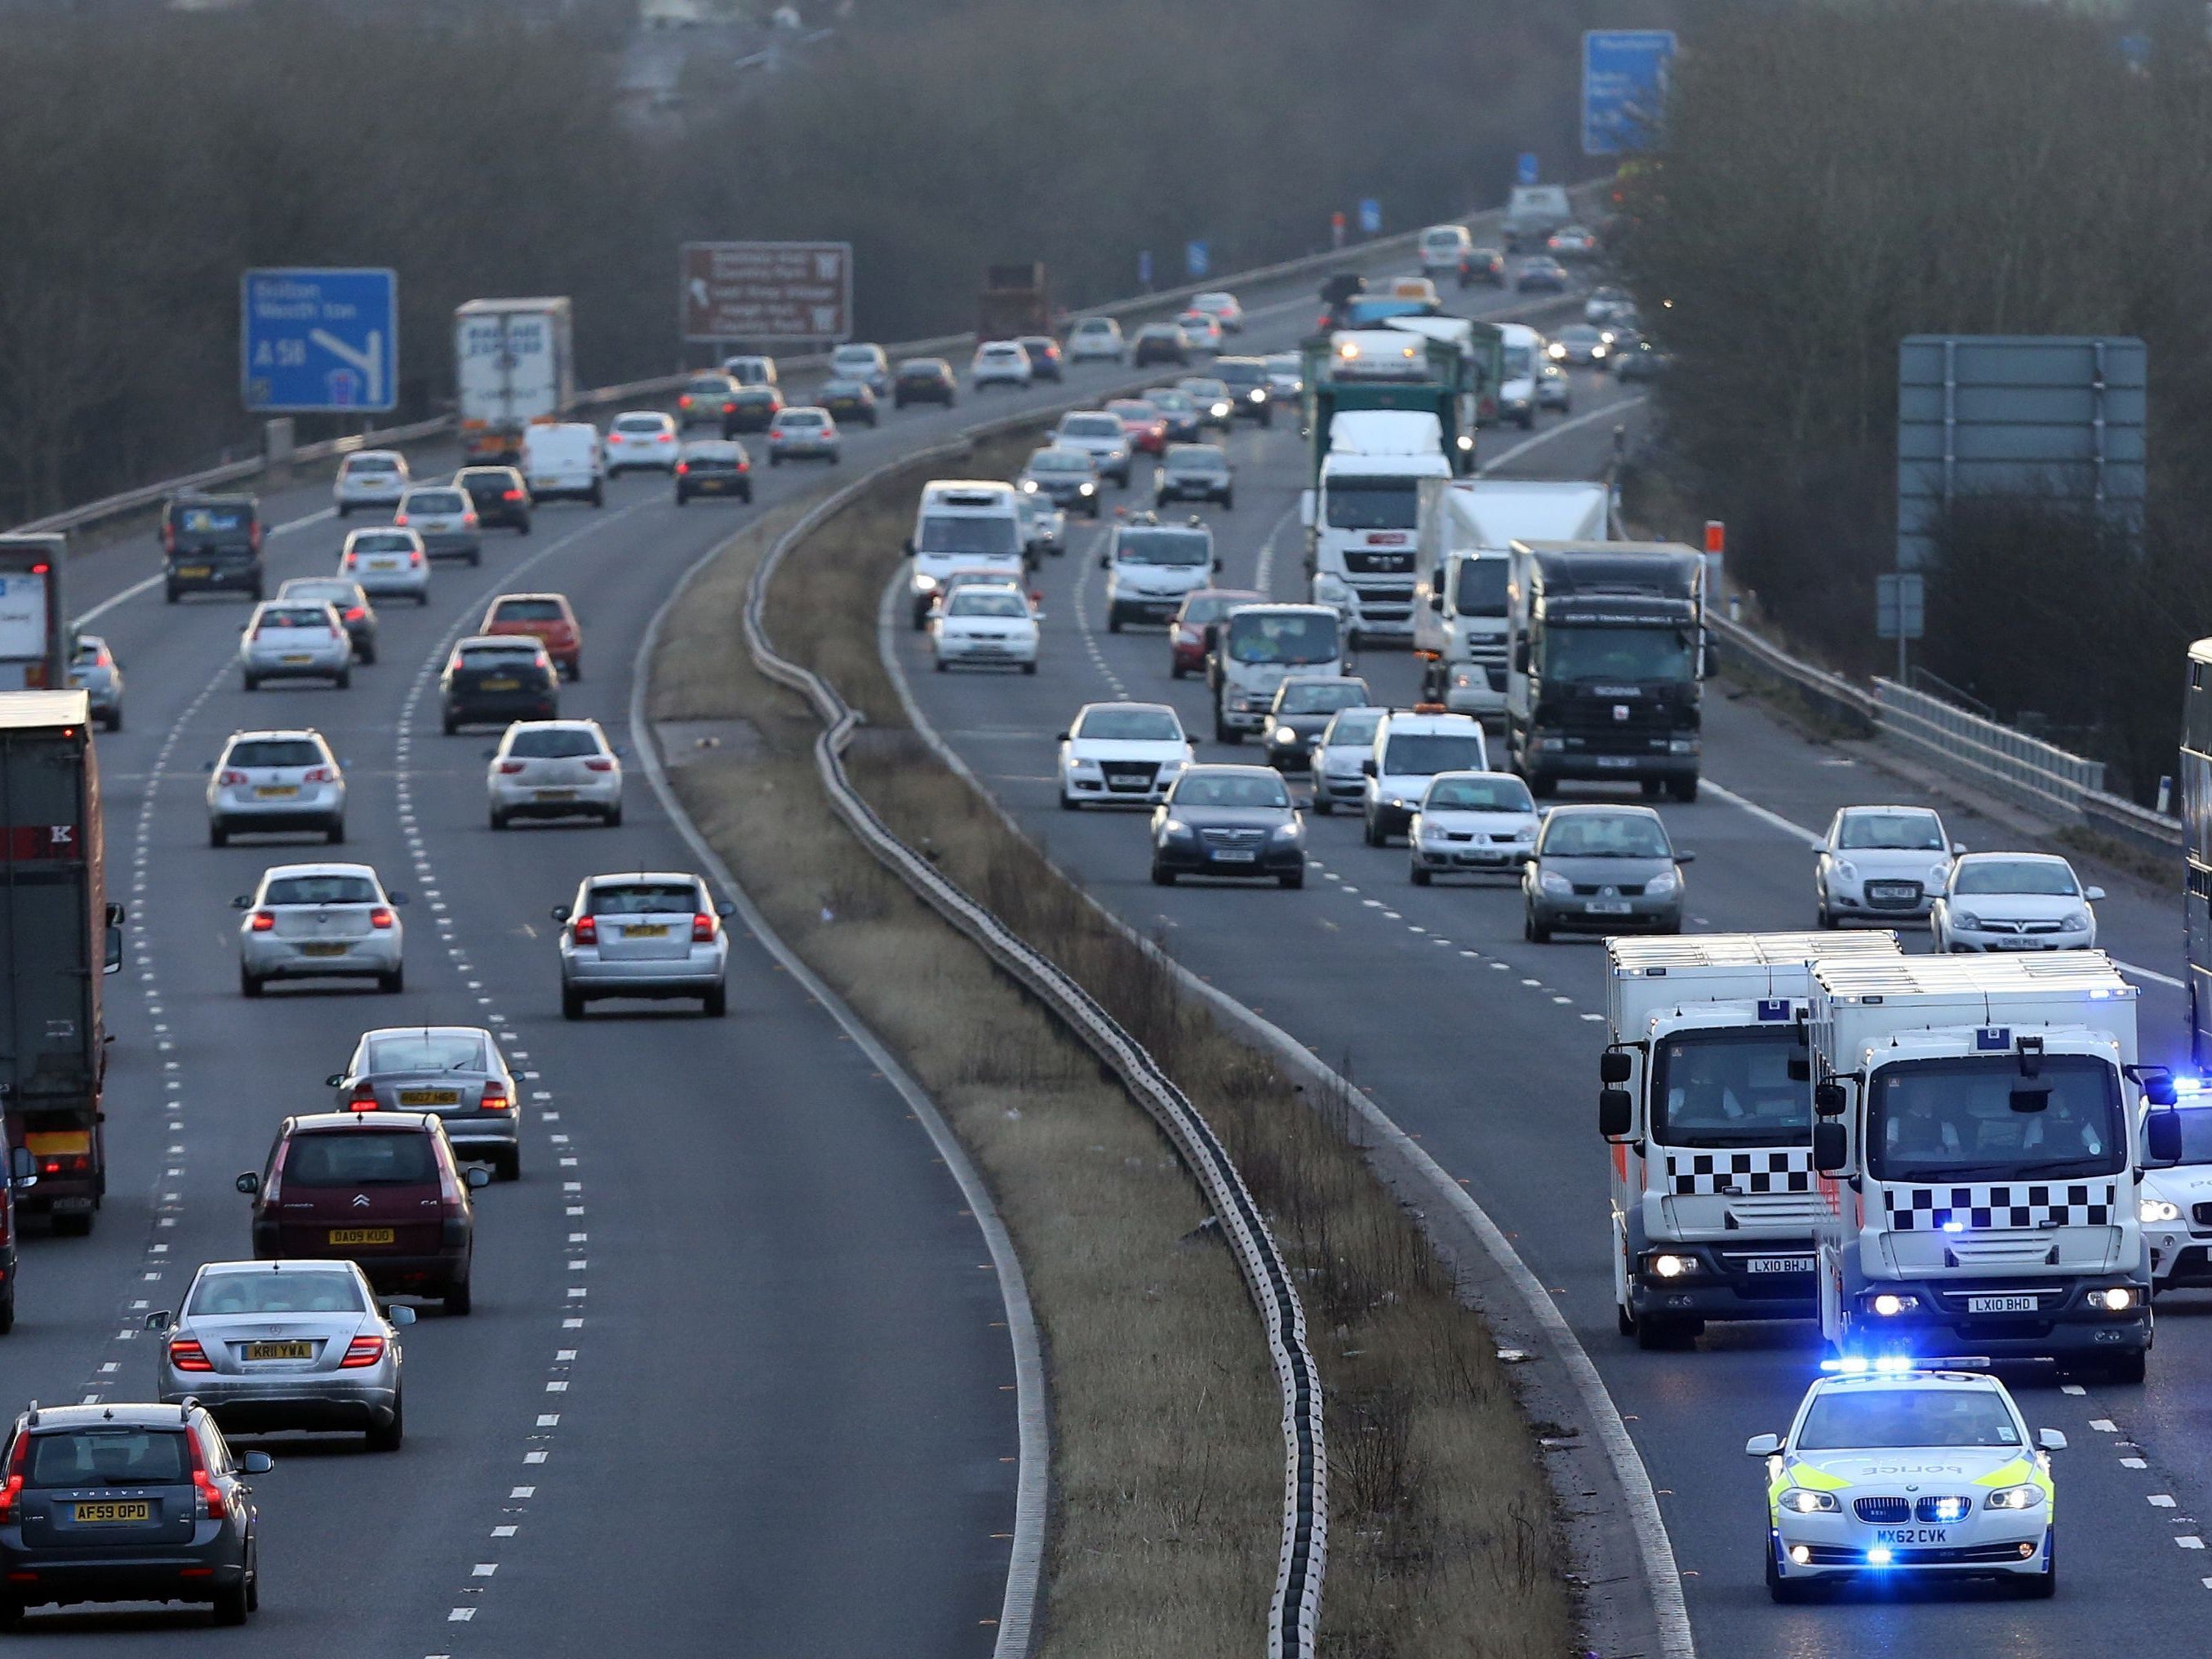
(1167, 1458)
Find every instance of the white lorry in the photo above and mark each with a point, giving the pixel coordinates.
(1707, 1105)
(514, 366)
(1463, 550)
(1980, 1126)
(1362, 517)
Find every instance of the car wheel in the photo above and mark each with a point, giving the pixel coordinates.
(1423, 877)
(2044, 1585)
(1030, 667)
(250, 682)
(1113, 620)
(613, 819)
(680, 498)
(423, 599)
(394, 982)
(459, 1300)
(496, 819)
(716, 1003)
(1229, 502)
(343, 509)
(1542, 784)
(1370, 831)
(1787, 1591)
(522, 529)
(476, 558)
(1162, 877)
(169, 594)
(507, 1164)
(368, 654)
(218, 836)
(343, 679)
(230, 1606)
(1826, 918)
(451, 726)
(7, 1311)
(1292, 879)
(334, 834)
(1323, 805)
(386, 1436)
(1534, 932)
(1068, 803)
(114, 721)
(572, 1004)
(247, 984)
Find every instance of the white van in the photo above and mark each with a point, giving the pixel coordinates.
(1151, 568)
(1448, 252)
(1521, 348)
(968, 524)
(564, 461)
(1532, 212)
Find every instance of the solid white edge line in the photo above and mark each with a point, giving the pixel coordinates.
(1025, 1562)
(1662, 1578)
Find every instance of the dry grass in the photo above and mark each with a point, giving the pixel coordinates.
(1168, 1469)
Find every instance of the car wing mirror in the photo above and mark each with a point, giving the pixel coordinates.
(2093, 894)
(1686, 858)
(335, 1080)
(479, 1177)
(396, 896)
(1762, 1445)
(249, 1183)
(241, 902)
(401, 1315)
(725, 909)
(257, 1463)
(560, 912)
(1367, 768)
(156, 1322)
(2050, 1439)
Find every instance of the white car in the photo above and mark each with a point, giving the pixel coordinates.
(862, 362)
(1471, 823)
(1099, 435)
(554, 769)
(371, 479)
(1200, 333)
(2174, 1202)
(1096, 340)
(2013, 902)
(1882, 863)
(1223, 308)
(804, 433)
(386, 563)
(1893, 1472)
(321, 922)
(999, 362)
(1338, 756)
(1117, 751)
(565, 461)
(987, 625)
(276, 781)
(288, 640)
(1044, 527)
(1608, 305)
(642, 437)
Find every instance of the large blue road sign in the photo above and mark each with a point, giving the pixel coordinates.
(1623, 88)
(319, 341)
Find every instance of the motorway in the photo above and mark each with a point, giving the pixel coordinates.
(1430, 999)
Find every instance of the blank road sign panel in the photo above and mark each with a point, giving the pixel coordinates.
(762, 291)
(314, 340)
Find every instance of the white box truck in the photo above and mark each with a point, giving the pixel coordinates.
(1462, 553)
(1980, 1125)
(513, 367)
(1707, 1109)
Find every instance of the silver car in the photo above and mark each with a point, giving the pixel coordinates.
(1346, 743)
(2013, 902)
(804, 432)
(1882, 863)
(1044, 527)
(387, 561)
(285, 1344)
(370, 477)
(554, 769)
(347, 599)
(276, 781)
(94, 671)
(321, 921)
(456, 1073)
(644, 935)
(446, 520)
(1602, 870)
(288, 640)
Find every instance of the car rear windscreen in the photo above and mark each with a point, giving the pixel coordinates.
(356, 1157)
(428, 1051)
(561, 743)
(320, 889)
(515, 611)
(274, 752)
(104, 1456)
(210, 521)
(441, 501)
(645, 899)
(512, 660)
(290, 1291)
(383, 541)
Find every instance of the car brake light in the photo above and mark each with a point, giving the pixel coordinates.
(354, 613)
(263, 921)
(598, 766)
(495, 1100)
(703, 929)
(363, 1098)
(414, 556)
(745, 467)
(313, 774)
(230, 776)
(186, 1355)
(361, 1350)
(253, 538)
(168, 538)
(510, 767)
(586, 931)
(211, 1505)
(11, 1491)
(470, 521)
(663, 438)
(683, 467)
(399, 518)
(683, 402)
(511, 496)
(379, 917)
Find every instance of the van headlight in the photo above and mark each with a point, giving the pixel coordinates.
(924, 582)
(1029, 486)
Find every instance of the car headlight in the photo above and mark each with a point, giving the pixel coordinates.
(1550, 881)
(1846, 869)
(1284, 734)
(1802, 1500)
(1556, 349)
(1220, 410)
(1967, 919)
(1175, 827)
(1257, 394)
(2151, 1210)
(1597, 351)
(1029, 486)
(1666, 881)
(924, 583)
(2014, 1498)
(1086, 490)
(2078, 920)
(1287, 831)
(1938, 874)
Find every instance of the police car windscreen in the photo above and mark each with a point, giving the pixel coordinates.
(1979, 1119)
(1730, 1089)
(1374, 503)
(1182, 549)
(1481, 588)
(1621, 656)
(1301, 637)
(1848, 1420)
(991, 533)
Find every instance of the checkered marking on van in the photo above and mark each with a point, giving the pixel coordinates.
(1707, 1174)
(2075, 1204)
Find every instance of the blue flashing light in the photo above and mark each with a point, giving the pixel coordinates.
(1851, 1364)
(2187, 1083)
(1879, 1556)
(1859, 1364)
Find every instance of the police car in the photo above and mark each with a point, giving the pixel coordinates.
(1897, 1468)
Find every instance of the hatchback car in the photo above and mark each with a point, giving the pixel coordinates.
(212, 545)
(1190, 628)
(266, 1345)
(455, 1072)
(1540, 275)
(999, 362)
(1044, 527)
(2013, 902)
(1471, 823)
(94, 671)
(1553, 391)
(985, 626)
(1143, 426)
(321, 921)
(1121, 751)
(758, 406)
(1228, 821)
(1045, 359)
(925, 380)
(446, 519)
(498, 494)
(1216, 404)
(1608, 304)
(865, 362)
(1200, 333)
(493, 680)
(276, 781)
(1488, 265)
(1096, 340)
(1223, 308)
(344, 597)
(713, 466)
(1336, 764)
(1580, 345)
(370, 478)
(1099, 435)
(382, 1190)
(1301, 712)
(1286, 377)
(707, 400)
(1066, 477)
(554, 769)
(546, 618)
(387, 561)
(642, 935)
(1883, 863)
(853, 401)
(1161, 342)
(1194, 473)
(286, 642)
(1179, 411)
(1571, 242)
(123, 1502)
(1602, 870)
(642, 439)
(804, 434)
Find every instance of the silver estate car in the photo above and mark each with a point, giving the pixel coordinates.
(554, 769)
(94, 671)
(1602, 870)
(454, 1072)
(644, 935)
(271, 782)
(321, 921)
(286, 641)
(387, 561)
(285, 1344)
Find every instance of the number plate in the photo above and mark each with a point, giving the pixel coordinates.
(323, 948)
(1779, 1264)
(109, 1514)
(1608, 907)
(360, 1235)
(501, 685)
(296, 656)
(1616, 760)
(645, 930)
(1890, 890)
(280, 1351)
(275, 791)
(554, 794)
(2001, 1304)
(192, 570)
(1912, 1535)
(429, 1096)
(1235, 856)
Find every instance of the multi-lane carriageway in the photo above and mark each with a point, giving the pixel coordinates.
(1485, 1047)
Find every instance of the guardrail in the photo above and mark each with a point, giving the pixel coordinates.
(1295, 1609)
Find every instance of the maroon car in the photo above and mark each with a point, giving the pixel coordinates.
(379, 1189)
(1187, 631)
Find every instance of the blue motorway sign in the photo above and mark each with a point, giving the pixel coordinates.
(1370, 217)
(1623, 88)
(1527, 172)
(319, 341)
(1144, 267)
(1197, 258)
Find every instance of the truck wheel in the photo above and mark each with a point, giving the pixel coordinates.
(2127, 1367)
(1542, 784)
(1684, 790)
(1322, 804)
(1292, 879)
(8, 1312)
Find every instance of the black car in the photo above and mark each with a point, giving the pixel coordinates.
(714, 468)
(1540, 275)
(127, 1503)
(1487, 264)
(754, 409)
(1643, 362)
(501, 498)
(492, 679)
(1228, 821)
(1185, 420)
(1251, 391)
(1046, 359)
(1302, 711)
(1161, 342)
(853, 401)
(212, 545)
(925, 380)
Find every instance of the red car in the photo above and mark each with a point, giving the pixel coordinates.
(1187, 631)
(382, 1189)
(547, 618)
(1145, 427)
